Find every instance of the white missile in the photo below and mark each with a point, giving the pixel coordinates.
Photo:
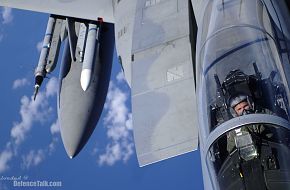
(89, 56)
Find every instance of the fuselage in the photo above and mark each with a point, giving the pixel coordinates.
(243, 51)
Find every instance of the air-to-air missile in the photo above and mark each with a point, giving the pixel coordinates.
(40, 71)
(49, 52)
(91, 45)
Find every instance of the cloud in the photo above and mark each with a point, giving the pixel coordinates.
(52, 87)
(39, 46)
(7, 16)
(117, 109)
(31, 112)
(118, 123)
(120, 77)
(20, 83)
(33, 158)
(52, 145)
(54, 129)
(5, 157)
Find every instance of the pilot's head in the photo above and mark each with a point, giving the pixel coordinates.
(240, 104)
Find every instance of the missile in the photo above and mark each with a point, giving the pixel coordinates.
(91, 44)
(81, 42)
(38, 82)
(40, 71)
(54, 47)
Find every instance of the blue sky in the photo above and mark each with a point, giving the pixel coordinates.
(30, 143)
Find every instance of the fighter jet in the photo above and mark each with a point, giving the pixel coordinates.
(207, 74)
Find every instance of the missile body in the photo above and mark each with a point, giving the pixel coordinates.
(54, 46)
(91, 53)
(81, 42)
(40, 71)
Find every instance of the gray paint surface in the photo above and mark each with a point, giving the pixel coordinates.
(163, 90)
(90, 10)
(79, 110)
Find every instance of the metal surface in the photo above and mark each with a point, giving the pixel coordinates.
(163, 90)
(91, 54)
(124, 12)
(244, 120)
(90, 9)
(52, 57)
(79, 110)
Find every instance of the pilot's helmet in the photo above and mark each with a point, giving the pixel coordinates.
(235, 100)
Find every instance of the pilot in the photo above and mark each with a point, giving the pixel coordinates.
(241, 105)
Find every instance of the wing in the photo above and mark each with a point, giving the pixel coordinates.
(89, 9)
(163, 85)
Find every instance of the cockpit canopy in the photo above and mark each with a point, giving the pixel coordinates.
(243, 95)
(239, 57)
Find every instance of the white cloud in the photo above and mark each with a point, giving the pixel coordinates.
(33, 158)
(20, 83)
(54, 129)
(51, 146)
(129, 124)
(7, 16)
(5, 157)
(31, 112)
(118, 122)
(117, 107)
(39, 46)
(52, 87)
(112, 155)
(120, 77)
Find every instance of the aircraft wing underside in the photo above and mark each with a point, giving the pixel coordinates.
(155, 43)
(89, 9)
(163, 87)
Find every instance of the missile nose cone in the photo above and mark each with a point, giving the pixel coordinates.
(85, 78)
(36, 88)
